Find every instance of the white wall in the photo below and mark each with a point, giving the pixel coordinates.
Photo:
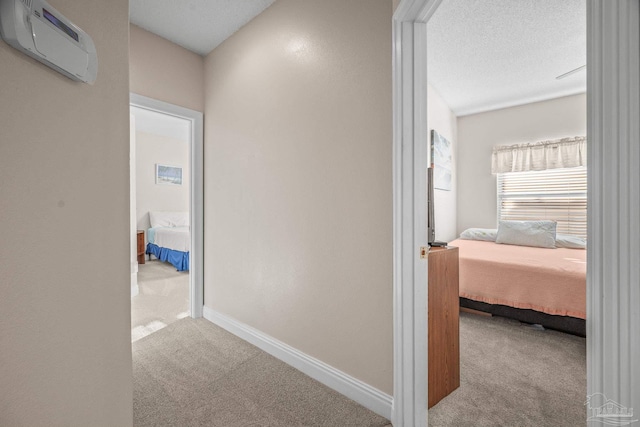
(478, 133)
(162, 70)
(440, 118)
(65, 305)
(150, 150)
(298, 195)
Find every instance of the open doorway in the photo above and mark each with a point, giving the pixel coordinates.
(612, 40)
(166, 197)
(507, 94)
(162, 212)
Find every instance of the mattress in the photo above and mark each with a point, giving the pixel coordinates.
(551, 281)
(174, 238)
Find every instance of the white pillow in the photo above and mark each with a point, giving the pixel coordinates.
(571, 242)
(540, 234)
(169, 219)
(485, 234)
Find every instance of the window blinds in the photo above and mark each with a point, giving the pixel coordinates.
(555, 194)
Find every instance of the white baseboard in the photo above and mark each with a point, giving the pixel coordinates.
(369, 397)
(135, 289)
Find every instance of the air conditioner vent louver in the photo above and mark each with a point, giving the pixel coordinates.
(27, 3)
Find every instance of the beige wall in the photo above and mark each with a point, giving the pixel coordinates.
(65, 346)
(478, 133)
(298, 195)
(440, 118)
(165, 71)
(150, 150)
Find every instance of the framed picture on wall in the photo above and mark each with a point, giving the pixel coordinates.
(170, 175)
(441, 160)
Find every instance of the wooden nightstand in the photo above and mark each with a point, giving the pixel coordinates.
(141, 247)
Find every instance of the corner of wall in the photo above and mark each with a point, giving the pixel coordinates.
(165, 71)
(479, 133)
(444, 121)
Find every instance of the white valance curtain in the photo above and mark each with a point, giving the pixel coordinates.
(557, 154)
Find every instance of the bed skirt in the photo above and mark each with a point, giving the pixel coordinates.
(180, 260)
(568, 324)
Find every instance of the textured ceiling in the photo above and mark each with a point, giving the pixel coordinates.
(483, 54)
(198, 25)
(490, 54)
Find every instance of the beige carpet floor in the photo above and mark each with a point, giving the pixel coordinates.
(193, 373)
(162, 300)
(514, 375)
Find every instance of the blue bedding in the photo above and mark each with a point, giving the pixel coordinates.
(180, 260)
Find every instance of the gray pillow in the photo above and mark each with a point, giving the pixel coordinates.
(485, 234)
(541, 234)
(571, 242)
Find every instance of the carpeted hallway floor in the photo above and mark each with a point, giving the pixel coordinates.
(192, 373)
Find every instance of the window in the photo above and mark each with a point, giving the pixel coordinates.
(554, 194)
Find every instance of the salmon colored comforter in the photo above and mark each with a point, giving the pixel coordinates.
(552, 281)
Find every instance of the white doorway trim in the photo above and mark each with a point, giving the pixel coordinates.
(135, 289)
(613, 268)
(613, 275)
(410, 160)
(196, 285)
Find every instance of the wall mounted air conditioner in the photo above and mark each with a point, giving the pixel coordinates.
(43, 33)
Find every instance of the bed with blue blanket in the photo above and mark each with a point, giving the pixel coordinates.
(169, 238)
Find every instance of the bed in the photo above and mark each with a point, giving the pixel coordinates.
(534, 285)
(169, 238)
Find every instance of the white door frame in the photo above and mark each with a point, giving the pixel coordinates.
(196, 284)
(613, 275)
(133, 226)
(613, 270)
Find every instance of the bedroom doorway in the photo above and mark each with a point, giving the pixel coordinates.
(612, 107)
(522, 321)
(166, 212)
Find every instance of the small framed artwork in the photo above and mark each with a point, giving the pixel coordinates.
(441, 160)
(171, 175)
